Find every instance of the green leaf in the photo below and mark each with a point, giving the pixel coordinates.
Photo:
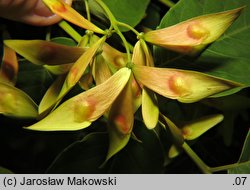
(244, 161)
(5, 170)
(83, 156)
(243, 168)
(64, 41)
(229, 56)
(245, 154)
(130, 11)
(233, 103)
(153, 17)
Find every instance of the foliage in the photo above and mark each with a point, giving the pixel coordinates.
(129, 87)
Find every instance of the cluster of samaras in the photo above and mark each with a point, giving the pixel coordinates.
(115, 84)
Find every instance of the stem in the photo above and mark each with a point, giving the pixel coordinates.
(168, 3)
(126, 45)
(226, 167)
(131, 47)
(114, 24)
(162, 124)
(48, 34)
(129, 27)
(71, 31)
(203, 167)
(108, 12)
(87, 10)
